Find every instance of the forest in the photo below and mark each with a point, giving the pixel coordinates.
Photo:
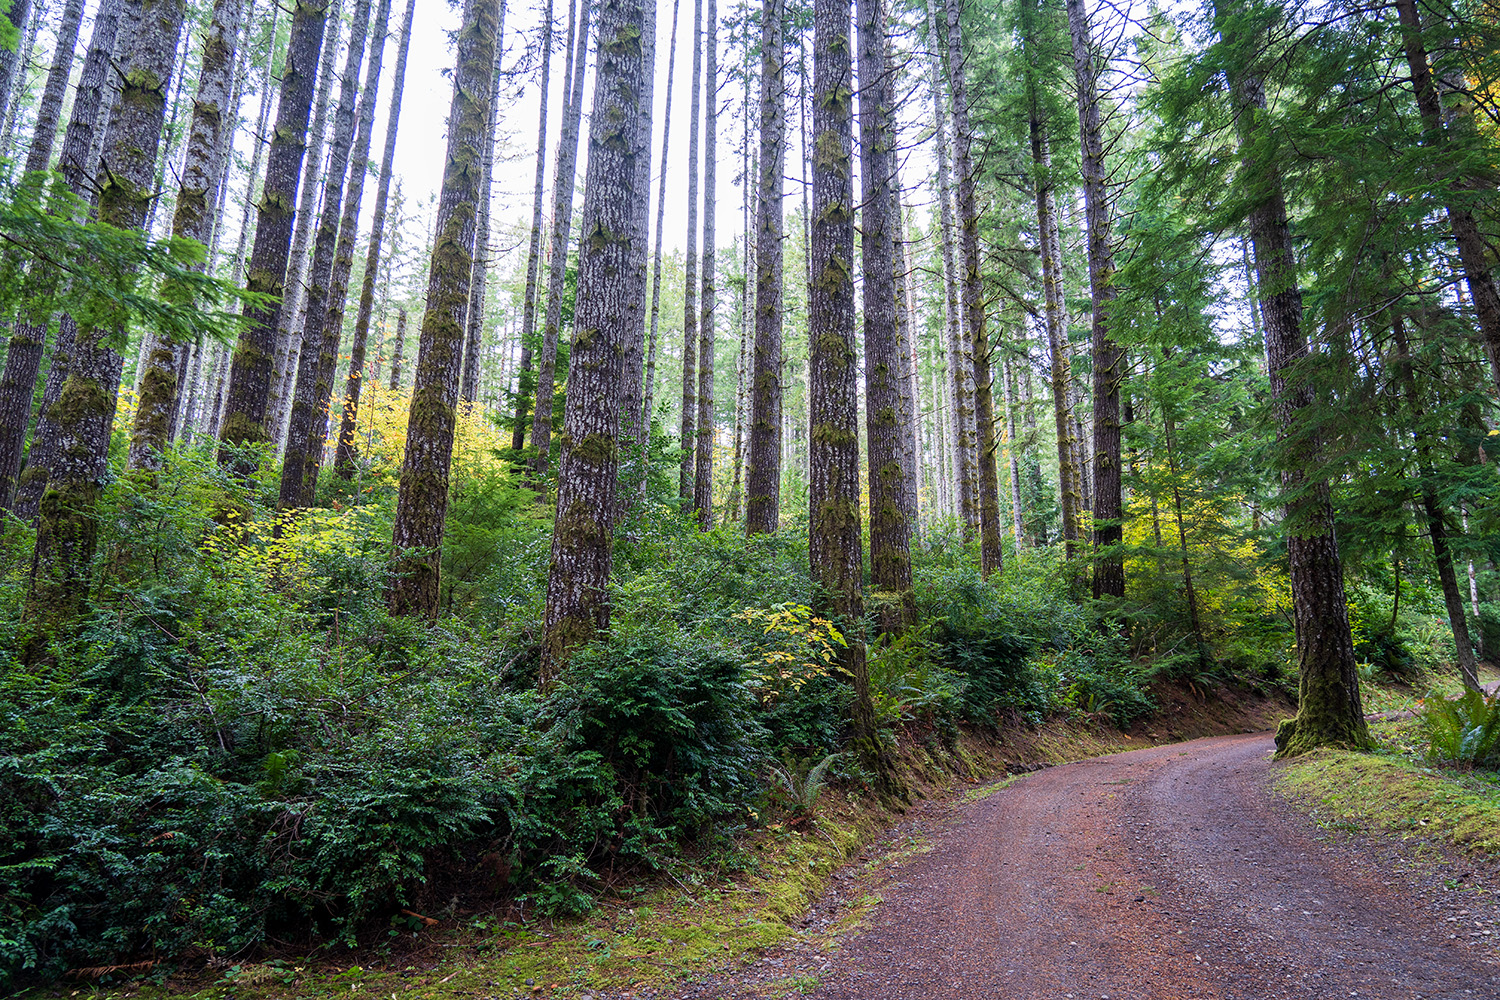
(534, 533)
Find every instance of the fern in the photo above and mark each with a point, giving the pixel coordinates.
(1464, 729)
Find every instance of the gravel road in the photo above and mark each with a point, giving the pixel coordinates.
(1171, 872)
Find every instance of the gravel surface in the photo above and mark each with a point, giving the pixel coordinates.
(1172, 872)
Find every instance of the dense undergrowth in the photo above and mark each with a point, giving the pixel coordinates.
(236, 745)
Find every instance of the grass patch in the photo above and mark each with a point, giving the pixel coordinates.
(1394, 792)
(985, 791)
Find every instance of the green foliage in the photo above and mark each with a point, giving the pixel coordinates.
(799, 788)
(1465, 729)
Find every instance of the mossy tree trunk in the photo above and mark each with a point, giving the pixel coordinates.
(245, 418)
(50, 107)
(562, 229)
(991, 555)
(634, 424)
(526, 380)
(1109, 357)
(83, 415)
(890, 529)
(206, 153)
(834, 546)
(23, 360)
(348, 448)
(705, 432)
(763, 479)
(422, 504)
(474, 336)
(11, 60)
(296, 491)
(583, 541)
(1329, 711)
(687, 437)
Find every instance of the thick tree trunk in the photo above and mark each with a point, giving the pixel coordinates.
(687, 439)
(245, 419)
(49, 111)
(295, 490)
(703, 477)
(632, 386)
(1109, 358)
(84, 414)
(526, 384)
(157, 405)
(648, 390)
(890, 530)
(960, 368)
(288, 320)
(562, 230)
(422, 504)
(1329, 713)
(991, 555)
(833, 489)
(1472, 250)
(23, 361)
(763, 481)
(474, 337)
(348, 448)
(583, 541)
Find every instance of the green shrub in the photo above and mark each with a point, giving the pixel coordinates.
(1465, 729)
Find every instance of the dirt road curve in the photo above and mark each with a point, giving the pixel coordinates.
(1163, 873)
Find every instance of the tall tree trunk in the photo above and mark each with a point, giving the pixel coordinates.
(1329, 713)
(688, 438)
(991, 555)
(890, 530)
(1437, 525)
(347, 453)
(399, 349)
(1017, 508)
(23, 361)
(562, 230)
(763, 481)
(908, 382)
(632, 386)
(834, 547)
(288, 320)
(422, 505)
(960, 369)
(474, 338)
(245, 418)
(1472, 250)
(67, 532)
(343, 258)
(1109, 358)
(703, 478)
(12, 61)
(526, 385)
(157, 405)
(583, 542)
(661, 214)
(49, 111)
(295, 490)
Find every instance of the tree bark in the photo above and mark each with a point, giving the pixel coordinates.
(23, 360)
(688, 437)
(526, 384)
(703, 477)
(632, 387)
(348, 447)
(834, 547)
(763, 480)
(562, 229)
(400, 347)
(422, 504)
(245, 419)
(288, 321)
(890, 530)
(157, 405)
(991, 555)
(583, 541)
(11, 60)
(83, 416)
(1329, 713)
(474, 338)
(49, 111)
(1109, 358)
